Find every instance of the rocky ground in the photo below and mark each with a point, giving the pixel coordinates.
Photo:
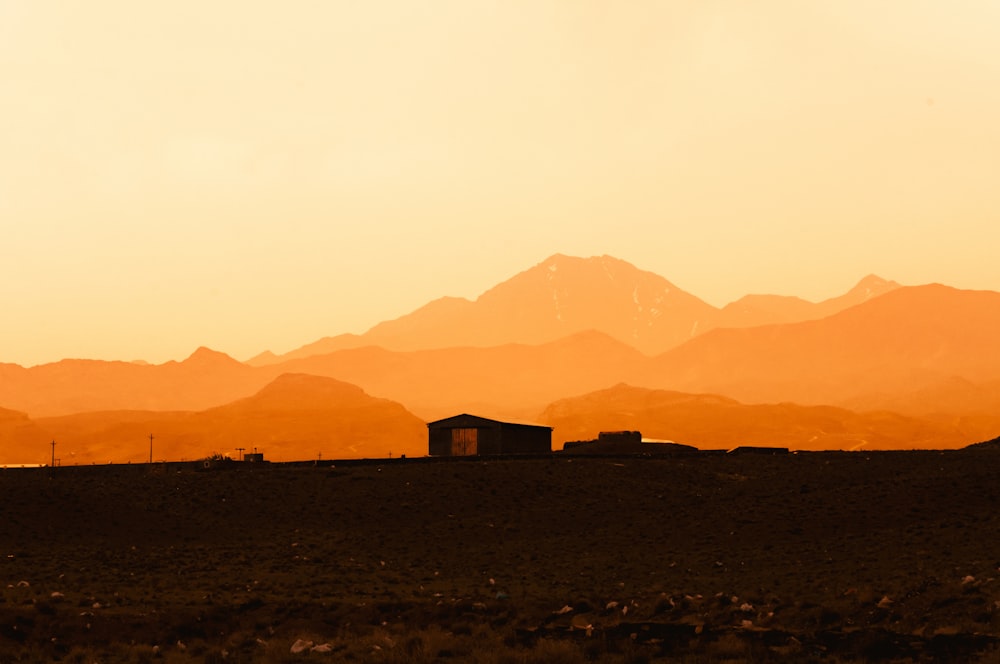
(891, 556)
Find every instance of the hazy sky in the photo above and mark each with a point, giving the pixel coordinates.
(255, 175)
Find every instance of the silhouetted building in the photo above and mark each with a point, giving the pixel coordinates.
(633, 437)
(627, 443)
(469, 435)
(254, 457)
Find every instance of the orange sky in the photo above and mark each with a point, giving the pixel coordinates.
(255, 175)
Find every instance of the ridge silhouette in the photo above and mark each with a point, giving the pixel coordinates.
(925, 353)
(564, 295)
(295, 417)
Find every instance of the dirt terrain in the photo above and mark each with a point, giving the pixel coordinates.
(831, 557)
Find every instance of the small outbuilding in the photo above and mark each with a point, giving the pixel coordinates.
(469, 435)
(627, 442)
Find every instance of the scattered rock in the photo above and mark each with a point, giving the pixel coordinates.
(300, 645)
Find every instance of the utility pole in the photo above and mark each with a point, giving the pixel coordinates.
(240, 450)
(53, 464)
(150, 449)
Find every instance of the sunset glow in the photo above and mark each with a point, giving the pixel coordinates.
(499, 330)
(246, 176)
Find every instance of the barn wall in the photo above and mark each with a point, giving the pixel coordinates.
(439, 442)
(440, 439)
(492, 437)
(522, 439)
(490, 440)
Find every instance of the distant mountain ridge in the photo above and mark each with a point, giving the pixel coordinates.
(755, 310)
(902, 341)
(294, 417)
(713, 421)
(510, 380)
(782, 368)
(207, 378)
(564, 295)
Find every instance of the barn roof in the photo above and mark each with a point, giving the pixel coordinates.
(466, 419)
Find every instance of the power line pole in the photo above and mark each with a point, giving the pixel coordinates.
(150, 448)
(53, 464)
(240, 450)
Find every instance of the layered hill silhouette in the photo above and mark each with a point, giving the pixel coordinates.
(206, 378)
(925, 352)
(756, 310)
(565, 295)
(711, 421)
(295, 417)
(513, 380)
(565, 328)
(921, 349)
(19, 432)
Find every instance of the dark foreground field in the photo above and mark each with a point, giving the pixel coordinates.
(826, 557)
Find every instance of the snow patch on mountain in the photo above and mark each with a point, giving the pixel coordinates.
(550, 277)
(607, 270)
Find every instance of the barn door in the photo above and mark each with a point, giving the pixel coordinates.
(464, 442)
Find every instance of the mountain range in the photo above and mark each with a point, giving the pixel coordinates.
(206, 378)
(294, 417)
(708, 421)
(565, 295)
(580, 344)
(906, 341)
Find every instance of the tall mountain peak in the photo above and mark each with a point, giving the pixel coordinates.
(557, 260)
(873, 285)
(204, 355)
(563, 295)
